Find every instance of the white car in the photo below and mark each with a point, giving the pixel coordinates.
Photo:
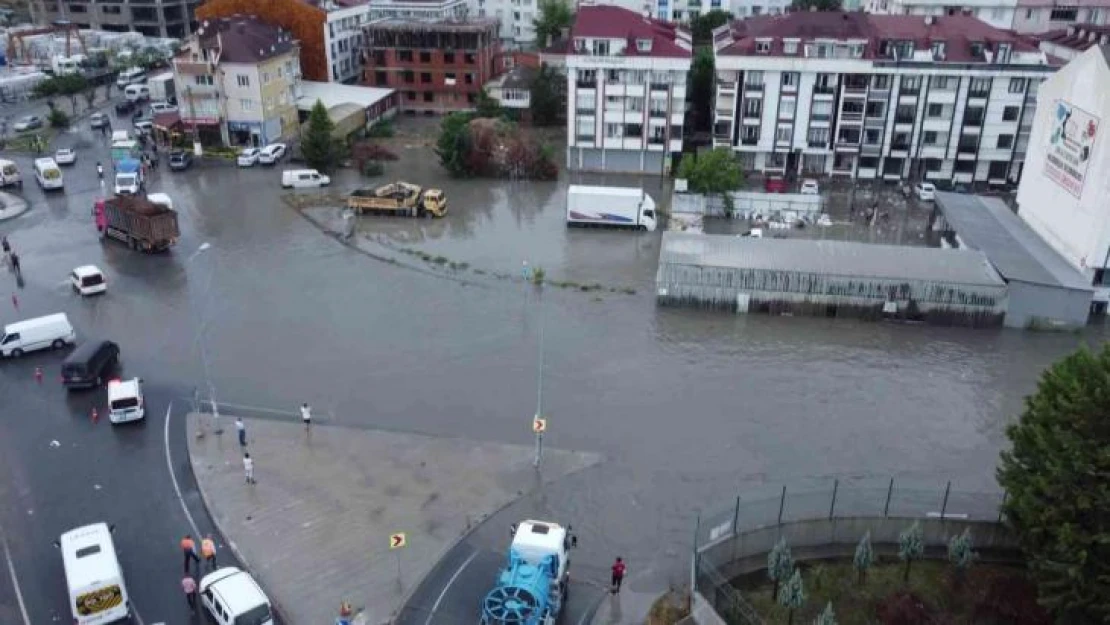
(144, 126)
(65, 156)
(248, 157)
(271, 153)
(925, 191)
(161, 107)
(231, 597)
(125, 400)
(88, 280)
(27, 122)
(809, 187)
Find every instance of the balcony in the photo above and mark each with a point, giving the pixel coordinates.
(979, 93)
(659, 140)
(967, 147)
(855, 87)
(192, 68)
(585, 111)
(659, 86)
(820, 117)
(899, 147)
(584, 139)
(752, 114)
(817, 144)
(909, 91)
(846, 147)
(753, 87)
(661, 113)
(749, 141)
(824, 90)
(851, 116)
(585, 84)
(903, 119)
(973, 120)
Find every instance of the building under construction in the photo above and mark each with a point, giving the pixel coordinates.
(435, 66)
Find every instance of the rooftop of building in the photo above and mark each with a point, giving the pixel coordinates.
(336, 94)
(835, 258)
(597, 21)
(470, 25)
(966, 39)
(519, 77)
(1016, 251)
(1078, 37)
(244, 39)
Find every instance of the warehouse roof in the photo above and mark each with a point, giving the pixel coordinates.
(838, 258)
(1016, 251)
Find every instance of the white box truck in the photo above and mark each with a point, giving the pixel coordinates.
(610, 207)
(162, 88)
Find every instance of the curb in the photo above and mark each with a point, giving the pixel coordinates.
(6, 203)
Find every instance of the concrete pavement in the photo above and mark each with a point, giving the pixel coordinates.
(316, 527)
(11, 206)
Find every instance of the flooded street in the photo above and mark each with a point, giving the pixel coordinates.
(687, 406)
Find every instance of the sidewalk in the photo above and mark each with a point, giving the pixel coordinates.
(628, 607)
(315, 529)
(11, 206)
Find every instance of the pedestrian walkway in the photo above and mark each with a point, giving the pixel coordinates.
(628, 607)
(316, 528)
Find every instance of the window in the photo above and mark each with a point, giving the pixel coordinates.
(790, 46)
(246, 104)
(448, 57)
(911, 83)
(872, 136)
(1010, 113)
(1005, 142)
(790, 79)
(411, 95)
(204, 80)
(601, 47)
(1063, 14)
(429, 96)
(821, 110)
(876, 109)
(942, 82)
(635, 104)
(425, 57)
(749, 134)
(754, 79)
(782, 134)
(980, 86)
(584, 128)
(935, 138)
(880, 82)
(425, 77)
(933, 165)
(633, 130)
(935, 110)
(1017, 85)
(404, 55)
(1028, 14)
(938, 49)
(614, 75)
(869, 162)
(468, 78)
(408, 76)
(614, 131)
(643, 45)
(997, 170)
(818, 136)
(786, 108)
(964, 167)
(243, 80)
(753, 107)
(763, 46)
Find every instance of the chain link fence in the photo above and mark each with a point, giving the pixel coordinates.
(842, 500)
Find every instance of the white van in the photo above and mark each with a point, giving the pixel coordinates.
(97, 593)
(303, 178)
(130, 76)
(120, 135)
(134, 93)
(125, 400)
(39, 333)
(232, 597)
(48, 174)
(9, 174)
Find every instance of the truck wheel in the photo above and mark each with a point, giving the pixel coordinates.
(16, 353)
(643, 228)
(133, 243)
(58, 344)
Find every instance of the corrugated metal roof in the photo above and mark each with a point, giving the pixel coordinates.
(841, 258)
(1018, 253)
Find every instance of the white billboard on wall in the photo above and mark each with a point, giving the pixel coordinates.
(1069, 146)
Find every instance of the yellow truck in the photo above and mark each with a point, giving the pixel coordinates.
(402, 199)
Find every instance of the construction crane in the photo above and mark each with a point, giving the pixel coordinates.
(17, 47)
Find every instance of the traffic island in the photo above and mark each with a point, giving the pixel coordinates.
(352, 514)
(11, 206)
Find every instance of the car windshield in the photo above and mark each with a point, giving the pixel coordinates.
(65, 152)
(125, 180)
(27, 120)
(125, 403)
(250, 152)
(92, 280)
(258, 615)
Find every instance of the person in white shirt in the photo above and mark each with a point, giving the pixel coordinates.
(248, 468)
(306, 415)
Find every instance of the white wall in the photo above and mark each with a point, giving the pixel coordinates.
(1078, 228)
(236, 94)
(342, 40)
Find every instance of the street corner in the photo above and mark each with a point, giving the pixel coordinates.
(337, 498)
(12, 206)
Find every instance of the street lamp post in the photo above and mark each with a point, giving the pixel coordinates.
(201, 329)
(539, 424)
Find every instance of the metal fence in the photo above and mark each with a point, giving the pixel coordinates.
(844, 500)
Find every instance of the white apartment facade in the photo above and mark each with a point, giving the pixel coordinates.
(1023, 16)
(1064, 190)
(343, 42)
(516, 17)
(626, 91)
(997, 13)
(686, 10)
(946, 99)
(432, 11)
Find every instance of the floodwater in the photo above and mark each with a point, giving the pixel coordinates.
(687, 406)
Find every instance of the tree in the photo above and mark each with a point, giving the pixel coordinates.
(826, 617)
(1056, 481)
(487, 106)
(816, 5)
(547, 97)
(62, 84)
(960, 552)
(555, 15)
(701, 27)
(780, 563)
(864, 557)
(453, 144)
(911, 546)
(793, 594)
(58, 118)
(317, 144)
(701, 88)
(713, 172)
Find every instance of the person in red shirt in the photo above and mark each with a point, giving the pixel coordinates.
(618, 575)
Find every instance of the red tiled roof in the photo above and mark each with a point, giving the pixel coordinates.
(244, 39)
(1077, 37)
(958, 32)
(614, 22)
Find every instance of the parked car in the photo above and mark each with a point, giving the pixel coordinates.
(161, 107)
(88, 280)
(143, 126)
(248, 157)
(27, 122)
(231, 596)
(271, 154)
(925, 191)
(180, 159)
(65, 156)
(98, 120)
(809, 187)
(775, 184)
(123, 107)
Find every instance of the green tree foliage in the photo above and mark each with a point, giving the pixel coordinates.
(793, 594)
(911, 546)
(864, 557)
(1057, 481)
(701, 88)
(818, 5)
(317, 144)
(826, 617)
(547, 97)
(487, 106)
(58, 118)
(453, 144)
(780, 563)
(701, 27)
(555, 15)
(62, 84)
(960, 551)
(714, 172)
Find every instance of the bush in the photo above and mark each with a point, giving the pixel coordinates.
(1010, 600)
(904, 608)
(372, 168)
(381, 130)
(58, 118)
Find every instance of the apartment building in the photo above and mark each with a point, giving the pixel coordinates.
(515, 17)
(152, 18)
(437, 67)
(626, 90)
(239, 77)
(343, 42)
(307, 23)
(431, 10)
(1070, 42)
(894, 97)
(686, 10)
(1037, 16)
(1024, 16)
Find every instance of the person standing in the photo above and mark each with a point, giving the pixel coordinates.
(189, 585)
(248, 468)
(208, 550)
(242, 430)
(15, 264)
(306, 415)
(189, 552)
(617, 576)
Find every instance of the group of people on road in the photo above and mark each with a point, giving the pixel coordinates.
(189, 552)
(241, 431)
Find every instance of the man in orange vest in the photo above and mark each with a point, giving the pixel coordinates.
(208, 550)
(189, 551)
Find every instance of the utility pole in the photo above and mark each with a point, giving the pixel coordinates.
(539, 424)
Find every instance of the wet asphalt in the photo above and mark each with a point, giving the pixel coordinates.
(688, 407)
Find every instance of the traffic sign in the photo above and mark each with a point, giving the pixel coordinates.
(398, 540)
(539, 425)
